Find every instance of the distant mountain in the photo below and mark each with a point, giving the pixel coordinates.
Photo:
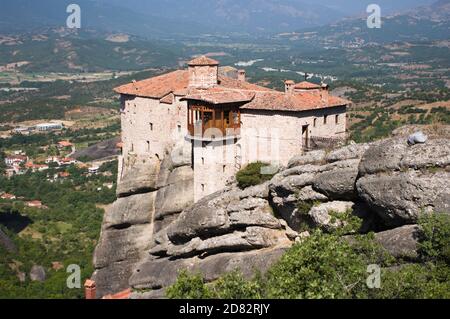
(357, 7)
(239, 15)
(425, 23)
(65, 50)
(165, 18)
(26, 15)
(439, 10)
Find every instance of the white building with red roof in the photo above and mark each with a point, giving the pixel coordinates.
(225, 121)
(15, 160)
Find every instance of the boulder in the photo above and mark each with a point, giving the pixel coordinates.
(250, 239)
(321, 215)
(314, 157)
(308, 194)
(417, 138)
(352, 151)
(158, 274)
(37, 273)
(201, 220)
(337, 183)
(382, 156)
(400, 198)
(259, 191)
(400, 242)
(433, 154)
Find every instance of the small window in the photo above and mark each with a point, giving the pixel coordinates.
(151, 126)
(148, 146)
(337, 119)
(224, 167)
(325, 119)
(315, 123)
(203, 187)
(203, 161)
(179, 128)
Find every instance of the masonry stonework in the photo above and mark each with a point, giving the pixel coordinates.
(273, 126)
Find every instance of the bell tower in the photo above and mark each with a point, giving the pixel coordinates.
(203, 73)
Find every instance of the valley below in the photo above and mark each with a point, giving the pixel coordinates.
(375, 200)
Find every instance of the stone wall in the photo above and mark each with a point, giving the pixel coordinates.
(266, 136)
(150, 127)
(273, 137)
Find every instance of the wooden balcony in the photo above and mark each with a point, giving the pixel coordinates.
(206, 122)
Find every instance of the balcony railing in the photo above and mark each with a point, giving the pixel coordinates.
(210, 132)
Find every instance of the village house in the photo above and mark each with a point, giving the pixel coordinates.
(15, 160)
(64, 144)
(224, 121)
(46, 127)
(8, 196)
(36, 167)
(66, 161)
(35, 204)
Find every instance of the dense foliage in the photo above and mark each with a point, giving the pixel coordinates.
(252, 175)
(329, 266)
(63, 234)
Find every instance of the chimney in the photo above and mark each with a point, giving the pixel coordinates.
(324, 93)
(90, 289)
(241, 75)
(289, 86)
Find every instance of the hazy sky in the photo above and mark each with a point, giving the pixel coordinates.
(349, 7)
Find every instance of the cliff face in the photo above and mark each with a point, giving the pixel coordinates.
(153, 230)
(150, 195)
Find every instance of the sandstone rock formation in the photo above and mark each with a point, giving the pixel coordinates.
(225, 231)
(144, 198)
(154, 230)
(401, 182)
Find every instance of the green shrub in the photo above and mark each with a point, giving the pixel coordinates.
(234, 286)
(189, 287)
(251, 175)
(434, 243)
(323, 266)
(414, 281)
(328, 266)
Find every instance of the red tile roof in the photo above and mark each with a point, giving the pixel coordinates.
(65, 143)
(305, 85)
(303, 101)
(222, 96)
(168, 99)
(242, 85)
(157, 87)
(231, 90)
(203, 61)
